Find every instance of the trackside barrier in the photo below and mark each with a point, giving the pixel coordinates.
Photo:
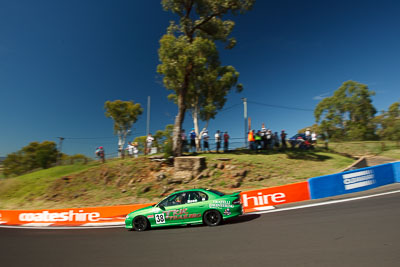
(396, 171)
(94, 216)
(353, 181)
(254, 200)
(263, 199)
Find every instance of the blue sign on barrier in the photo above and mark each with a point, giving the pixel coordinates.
(396, 171)
(351, 181)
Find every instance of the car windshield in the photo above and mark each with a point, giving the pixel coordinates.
(216, 192)
(175, 199)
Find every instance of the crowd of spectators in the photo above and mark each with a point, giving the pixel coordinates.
(263, 139)
(204, 141)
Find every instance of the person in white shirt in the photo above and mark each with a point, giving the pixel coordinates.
(308, 134)
(314, 138)
(149, 143)
(218, 140)
(205, 138)
(135, 149)
(130, 149)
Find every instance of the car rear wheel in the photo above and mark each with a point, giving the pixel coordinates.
(212, 218)
(140, 223)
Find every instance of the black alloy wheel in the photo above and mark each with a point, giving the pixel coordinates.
(212, 218)
(140, 223)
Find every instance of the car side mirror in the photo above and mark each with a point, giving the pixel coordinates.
(161, 206)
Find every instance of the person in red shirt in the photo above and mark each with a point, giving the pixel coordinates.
(226, 141)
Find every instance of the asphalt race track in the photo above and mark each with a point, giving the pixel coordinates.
(358, 233)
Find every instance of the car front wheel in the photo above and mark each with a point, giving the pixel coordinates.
(212, 218)
(140, 223)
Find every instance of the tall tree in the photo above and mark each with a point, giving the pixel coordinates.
(46, 154)
(188, 51)
(124, 114)
(348, 114)
(389, 123)
(33, 156)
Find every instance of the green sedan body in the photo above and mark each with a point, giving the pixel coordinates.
(194, 206)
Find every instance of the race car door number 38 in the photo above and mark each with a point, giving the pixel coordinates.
(160, 218)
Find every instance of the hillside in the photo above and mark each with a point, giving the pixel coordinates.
(142, 180)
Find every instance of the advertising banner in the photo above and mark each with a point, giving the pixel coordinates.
(351, 181)
(263, 199)
(69, 217)
(396, 171)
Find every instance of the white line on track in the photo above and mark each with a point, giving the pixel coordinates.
(327, 202)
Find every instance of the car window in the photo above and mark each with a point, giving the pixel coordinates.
(176, 199)
(195, 196)
(216, 192)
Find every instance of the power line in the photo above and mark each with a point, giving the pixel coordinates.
(268, 105)
(230, 107)
(87, 138)
(278, 106)
(96, 138)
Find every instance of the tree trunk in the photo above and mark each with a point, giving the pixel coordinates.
(195, 116)
(176, 139)
(196, 128)
(119, 144)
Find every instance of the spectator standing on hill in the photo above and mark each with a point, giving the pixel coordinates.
(276, 140)
(283, 139)
(257, 139)
(264, 138)
(149, 143)
(192, 136)
(206, 137)
(313, 138)
(226, 142)
(308, 134)
(269, 139)
(184, 141)
(135, 149)
(250, 138)
(129, 148)
(218, 140)
(101, 153)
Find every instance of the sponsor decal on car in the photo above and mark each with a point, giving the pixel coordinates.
(220, 204)
(173, 215)
(159, 218)
(227, 212)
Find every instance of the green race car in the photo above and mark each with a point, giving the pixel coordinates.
(194, 206)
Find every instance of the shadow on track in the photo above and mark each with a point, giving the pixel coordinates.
(242, 219)
(236, 220)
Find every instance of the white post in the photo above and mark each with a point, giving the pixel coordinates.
(148, 116)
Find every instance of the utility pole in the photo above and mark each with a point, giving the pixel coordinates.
(148, 116)
(59, 149)
(245, 120)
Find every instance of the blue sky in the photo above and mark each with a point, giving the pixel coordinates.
(61, 60)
